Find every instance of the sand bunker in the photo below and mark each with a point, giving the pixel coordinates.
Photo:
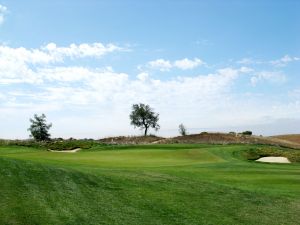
(68, 151)
(273, 159)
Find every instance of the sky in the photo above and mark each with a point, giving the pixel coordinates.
(211, 65)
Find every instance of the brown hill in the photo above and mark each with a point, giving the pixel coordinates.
(223, 138)
(131, 140)
(289, 137)
(203, 138)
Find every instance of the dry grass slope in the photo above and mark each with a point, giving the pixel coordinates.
(223, 138)
(289, 137)
(203, 138)
(131, 140)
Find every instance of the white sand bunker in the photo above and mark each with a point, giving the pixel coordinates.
(68, 151)
(273, 159)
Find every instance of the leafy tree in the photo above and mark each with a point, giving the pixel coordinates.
(39, 128)
(182, 130)
(144, 117)
(247, 132)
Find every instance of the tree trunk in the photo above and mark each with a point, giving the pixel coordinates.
(146, 129)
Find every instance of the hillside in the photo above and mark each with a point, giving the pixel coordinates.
(131, 140)
(223, 138)
(292, 141)
(289, 137)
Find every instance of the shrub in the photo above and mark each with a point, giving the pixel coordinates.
(247, 133)
(70, 144)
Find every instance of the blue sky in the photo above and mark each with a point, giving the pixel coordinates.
(212, 65)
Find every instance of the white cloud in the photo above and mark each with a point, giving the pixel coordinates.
(99, 96)
(249, 61)
(245, 69)
(183, 64)
(143, 76)
(73, 85)
(51, 53)
(186, 64)
(106, 92)
(79, 51)
(284, 61)
(20, 65)
(270, 76)
(37, 80)
(295, 94)
(160, 64)
(102, 86)
(278, 62)
(3, 11)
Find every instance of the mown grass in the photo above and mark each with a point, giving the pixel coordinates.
(151, 184)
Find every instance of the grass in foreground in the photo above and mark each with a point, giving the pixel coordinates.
(153, 184)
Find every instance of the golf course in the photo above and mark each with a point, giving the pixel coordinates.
(149, 184)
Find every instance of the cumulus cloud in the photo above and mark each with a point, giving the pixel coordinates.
(186, 64)
(96, 85)
(58, 86)
(79, 51)
(143, 76)
(160, 64)
(20, 65)
(284, 61)
(203, 100)
(105, 91)
(3, 11)
(38, 80)
(270, 76)
(249, 61)
(182, 64)
(51, 53)
(245, 69)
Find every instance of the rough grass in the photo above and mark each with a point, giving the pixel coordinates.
(58, 145)
(70, 144)
(131, 139)
(289, 137)
(153, 184)
(264, 151)
(230, 138)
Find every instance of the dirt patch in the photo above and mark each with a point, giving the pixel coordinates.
(273, 159)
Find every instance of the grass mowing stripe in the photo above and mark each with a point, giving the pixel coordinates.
(221, 188)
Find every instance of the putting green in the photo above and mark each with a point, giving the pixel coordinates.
(119, 158)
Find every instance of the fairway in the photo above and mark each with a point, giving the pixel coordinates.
(146, 184)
